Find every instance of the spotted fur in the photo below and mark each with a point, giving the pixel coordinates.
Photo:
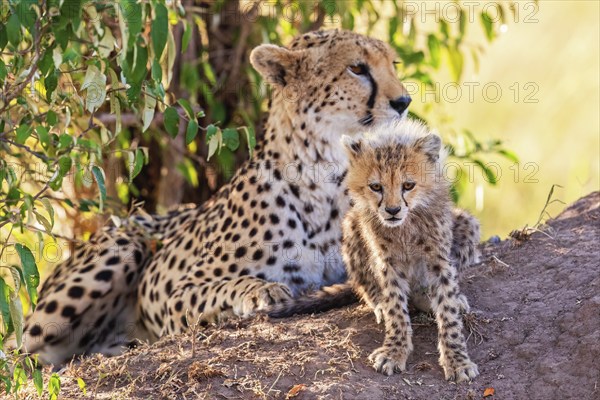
(271, 233)
(399, 236)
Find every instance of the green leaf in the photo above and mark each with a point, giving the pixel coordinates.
(462, 27)
(64, 141)
(42, 220)
(64, 165)
(42, 134)
(51, 83)
(211, 130)
(160, 29)
(13, 196)
(51, 119)
(3, 37)
(191, 131)
(31, 275)
(13, 30)
(509, 155)
(3, 71)
(46, 64)
(16, 315)
(5, 299)
(99, 176)
(138, 163)
(23, 132)
(54, 386)
(38, 381)
(171, 120)
(488, 25)
(82, 386)
(231, 138)
(187, 107)
(490, 176)
(156, 71)
(132, 10)
(434, 50)
(49, 209)
(456, 63)
(187, 35)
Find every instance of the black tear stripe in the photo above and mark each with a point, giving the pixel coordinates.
(374, 88)
(404, 200)
(368, 118)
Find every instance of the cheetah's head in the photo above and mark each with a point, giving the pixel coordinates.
(394, 170)
(337, 81)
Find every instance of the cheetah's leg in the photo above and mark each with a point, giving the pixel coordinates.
(465, 238)
(210, 301)
(447, 303)
(392, 355)
(360, 278)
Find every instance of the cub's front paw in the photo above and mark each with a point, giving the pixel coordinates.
(388, 360)
(460, 371)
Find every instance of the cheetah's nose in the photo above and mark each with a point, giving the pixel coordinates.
(392, 210)
(400, 104)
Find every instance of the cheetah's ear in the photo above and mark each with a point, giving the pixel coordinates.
(273, 63)
(430, 145)
(353, 147)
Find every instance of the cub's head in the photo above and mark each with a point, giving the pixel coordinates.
(338, 80)
(394, 170)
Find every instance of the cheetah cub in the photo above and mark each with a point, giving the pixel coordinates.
(398, 236)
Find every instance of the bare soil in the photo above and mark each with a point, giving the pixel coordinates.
(534, 332)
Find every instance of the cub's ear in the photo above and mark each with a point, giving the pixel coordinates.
(273, 63)
(430, 145)
(354, 147)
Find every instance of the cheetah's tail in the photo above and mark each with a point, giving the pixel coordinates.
(324, 299)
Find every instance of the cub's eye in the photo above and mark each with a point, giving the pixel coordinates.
(408, 186)
(376, 187)
(358, 69)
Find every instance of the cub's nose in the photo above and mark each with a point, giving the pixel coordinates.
(392, 210)
(400, 104)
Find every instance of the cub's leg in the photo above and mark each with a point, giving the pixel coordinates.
(447, 303)
(360, 276)
(392, 355)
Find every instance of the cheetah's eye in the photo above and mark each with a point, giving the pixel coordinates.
(358, 69)
(408, 186)
(376, 187)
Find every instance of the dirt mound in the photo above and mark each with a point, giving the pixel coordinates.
(535, 334)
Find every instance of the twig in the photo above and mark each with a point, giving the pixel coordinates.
(26, 148)
(6, 241)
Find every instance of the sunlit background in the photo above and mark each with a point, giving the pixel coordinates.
(549, 58)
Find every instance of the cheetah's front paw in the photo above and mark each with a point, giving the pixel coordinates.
(461, 371)
(265, 296)
(388, 360)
